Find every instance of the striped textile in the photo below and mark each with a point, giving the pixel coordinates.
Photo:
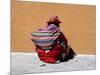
(45, 38)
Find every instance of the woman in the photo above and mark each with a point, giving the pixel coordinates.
(58, 49)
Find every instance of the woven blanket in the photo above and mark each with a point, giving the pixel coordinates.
(45, 37)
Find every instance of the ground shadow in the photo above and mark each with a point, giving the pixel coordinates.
(69, 56)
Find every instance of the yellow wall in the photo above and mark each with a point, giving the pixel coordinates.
(78, 24)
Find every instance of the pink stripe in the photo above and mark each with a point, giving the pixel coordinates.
(43, 31)
(54, 37)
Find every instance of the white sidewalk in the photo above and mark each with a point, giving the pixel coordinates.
(28, 63)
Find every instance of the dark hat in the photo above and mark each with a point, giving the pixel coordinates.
(54, 19)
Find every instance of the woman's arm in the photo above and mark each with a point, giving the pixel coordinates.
(64, 38)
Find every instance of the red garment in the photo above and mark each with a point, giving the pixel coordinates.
(53, 55)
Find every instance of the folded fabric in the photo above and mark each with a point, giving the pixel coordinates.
(45, 38)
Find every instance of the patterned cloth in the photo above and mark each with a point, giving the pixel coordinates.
(46, 37)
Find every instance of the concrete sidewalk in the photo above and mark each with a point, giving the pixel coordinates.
(28, 63)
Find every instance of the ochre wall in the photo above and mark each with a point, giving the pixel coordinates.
(78, 24)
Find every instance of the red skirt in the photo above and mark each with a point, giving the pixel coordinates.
(52, 56)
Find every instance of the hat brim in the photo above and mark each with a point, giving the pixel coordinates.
(54, 22)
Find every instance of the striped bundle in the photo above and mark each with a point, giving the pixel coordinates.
(45, 38)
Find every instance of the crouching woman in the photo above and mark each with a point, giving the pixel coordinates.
(51, 44)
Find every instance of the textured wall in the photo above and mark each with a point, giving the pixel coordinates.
(78, 25)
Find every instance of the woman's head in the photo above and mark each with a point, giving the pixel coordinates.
(54, 20)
